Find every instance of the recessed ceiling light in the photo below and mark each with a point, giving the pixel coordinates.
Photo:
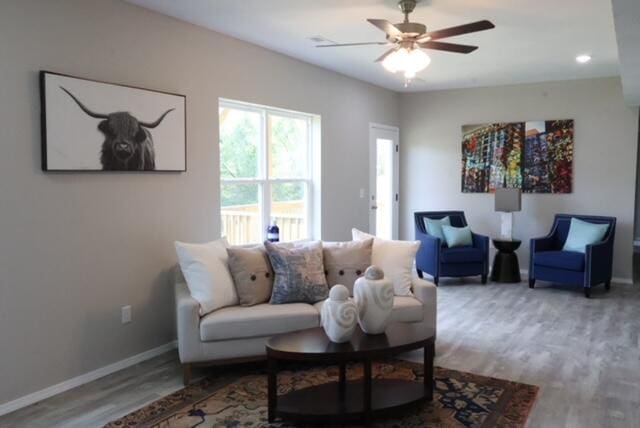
(583, 59)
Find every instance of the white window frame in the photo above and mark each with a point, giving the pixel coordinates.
(310, 181)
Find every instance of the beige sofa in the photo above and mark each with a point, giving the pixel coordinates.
(240, 333)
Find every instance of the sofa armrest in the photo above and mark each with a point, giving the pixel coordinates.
(187, 321)
(427, 293)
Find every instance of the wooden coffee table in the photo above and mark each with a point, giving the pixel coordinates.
(349, 401)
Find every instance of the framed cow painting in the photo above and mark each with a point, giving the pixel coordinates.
(89, 125)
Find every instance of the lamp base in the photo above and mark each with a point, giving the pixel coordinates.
(506, 226)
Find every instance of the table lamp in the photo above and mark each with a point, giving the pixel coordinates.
(507, 201)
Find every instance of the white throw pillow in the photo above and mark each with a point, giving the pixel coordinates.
(205, 268)
(395, 258)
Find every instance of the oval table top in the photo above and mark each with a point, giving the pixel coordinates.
(313, 343)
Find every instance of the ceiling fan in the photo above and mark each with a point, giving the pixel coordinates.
(409, 38)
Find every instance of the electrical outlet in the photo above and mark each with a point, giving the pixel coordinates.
(361, 193)
(126, 314)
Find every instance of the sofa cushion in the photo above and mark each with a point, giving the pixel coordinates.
(252, 274)
(405, 309)
(395, 258)
(344, 262)
(461, 255)
(457, 236)
(434, 226)
(207, 273)
(583, 233)
(567, 260)
(239, 322)
(299, 271)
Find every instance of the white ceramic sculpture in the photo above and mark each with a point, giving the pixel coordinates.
(373, 294)
(339, 315)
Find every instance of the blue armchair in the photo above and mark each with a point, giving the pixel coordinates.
(549, 263)
(438, 260)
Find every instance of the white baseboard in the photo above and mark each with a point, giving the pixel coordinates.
(50, 391)
(615, 279)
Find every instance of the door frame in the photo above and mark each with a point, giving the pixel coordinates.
(373, 127)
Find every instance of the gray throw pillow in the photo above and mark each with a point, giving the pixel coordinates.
(252, 274)
(299, 272)
(344, 262)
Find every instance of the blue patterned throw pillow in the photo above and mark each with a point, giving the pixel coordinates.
(299, 272)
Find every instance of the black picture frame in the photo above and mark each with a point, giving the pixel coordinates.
(46, 127)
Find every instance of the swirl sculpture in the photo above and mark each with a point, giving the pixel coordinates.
(374, 297)
(339, 315)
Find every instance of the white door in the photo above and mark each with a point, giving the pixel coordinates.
(383, 181)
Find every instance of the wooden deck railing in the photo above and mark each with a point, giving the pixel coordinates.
(242, 227)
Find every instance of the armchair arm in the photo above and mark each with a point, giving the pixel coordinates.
(598, 262)
(427, 293)
(428, 255)
(187, 321)
(482, 242)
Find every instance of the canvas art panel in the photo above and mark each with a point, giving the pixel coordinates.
(535, 156)
(97, 126)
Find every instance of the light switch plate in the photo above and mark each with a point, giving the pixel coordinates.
(126, 314)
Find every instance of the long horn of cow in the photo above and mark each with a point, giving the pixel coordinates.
(157, 122)
(84, 108)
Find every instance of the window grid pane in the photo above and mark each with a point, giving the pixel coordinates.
(289, 209)
(241, 213)
(288, 146)
(267, 152)
(240, 132)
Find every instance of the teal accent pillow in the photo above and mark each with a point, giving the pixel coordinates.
(434, 227)
(457, 236)
(583, 233)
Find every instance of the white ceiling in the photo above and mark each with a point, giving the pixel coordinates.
(534, 40)
(627, 18)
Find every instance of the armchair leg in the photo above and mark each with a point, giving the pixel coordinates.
(607, 285)
(532, 282)
(186, 374)
(420, 274)
(484, 279)
(587, 292)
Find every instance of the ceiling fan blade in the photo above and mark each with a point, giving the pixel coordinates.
(337, 45)
(461, 29)
(387, 27)
(449, 47)
(387, 53)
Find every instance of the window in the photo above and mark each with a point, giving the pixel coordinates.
(266, 172)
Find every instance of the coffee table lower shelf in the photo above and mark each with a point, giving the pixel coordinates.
(327, 403)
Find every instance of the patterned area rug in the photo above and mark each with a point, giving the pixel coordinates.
(238, 398)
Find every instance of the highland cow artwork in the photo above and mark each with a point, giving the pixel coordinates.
(97, 126)
(536, 156)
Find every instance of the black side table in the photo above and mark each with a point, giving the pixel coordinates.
(505, 263)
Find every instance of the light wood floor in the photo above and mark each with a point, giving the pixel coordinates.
(583, 353)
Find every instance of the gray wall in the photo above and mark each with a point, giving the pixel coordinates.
(74, 248)
(604, 163)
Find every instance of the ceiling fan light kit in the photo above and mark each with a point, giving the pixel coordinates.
(408, 61)
(410, 38)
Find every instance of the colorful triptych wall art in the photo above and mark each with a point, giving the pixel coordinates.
(535, 156)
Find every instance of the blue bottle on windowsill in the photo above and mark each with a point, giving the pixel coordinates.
(273, 232)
